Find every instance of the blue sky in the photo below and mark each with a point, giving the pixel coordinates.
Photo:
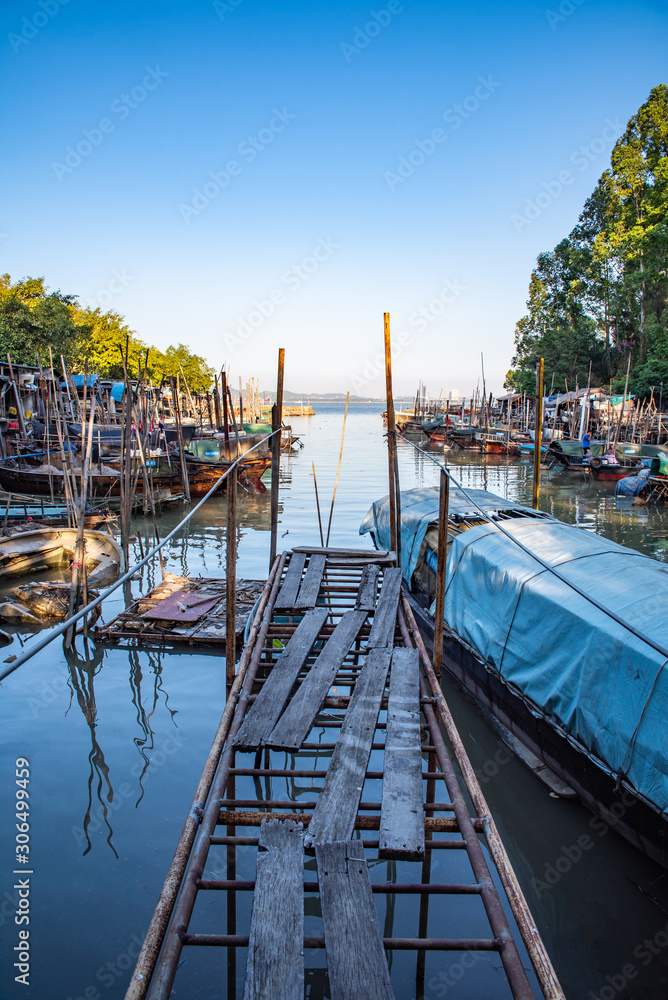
(244, 175)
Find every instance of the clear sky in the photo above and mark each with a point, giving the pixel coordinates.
(243, 175)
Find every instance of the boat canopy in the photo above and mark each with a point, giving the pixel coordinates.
(591, 675)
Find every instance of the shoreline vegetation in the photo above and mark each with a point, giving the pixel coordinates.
(597, 301)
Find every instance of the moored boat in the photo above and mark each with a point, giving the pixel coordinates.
(562, 635)
(49, 548)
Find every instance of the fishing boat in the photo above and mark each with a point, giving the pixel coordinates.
(564, 642)
(49, 548)
(570, 454)
(48, 481)
(612, 469)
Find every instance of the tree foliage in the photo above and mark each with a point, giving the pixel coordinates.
(601, 294)
(32, 319)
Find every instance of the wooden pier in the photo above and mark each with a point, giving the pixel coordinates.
(335, 701)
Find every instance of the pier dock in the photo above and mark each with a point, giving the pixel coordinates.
(337, 761)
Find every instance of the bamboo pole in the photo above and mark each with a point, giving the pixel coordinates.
(79, 562)
(241, 407)
(231, 580)
(621, 411)
(17, 397)
(226, 419)
(442, 554)
(276, 423)
(393, 468)
(179, 434)
(317, 503)
(338, 469)
(538, 427)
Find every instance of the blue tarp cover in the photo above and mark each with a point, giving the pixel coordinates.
(117, 391)
(602, 684)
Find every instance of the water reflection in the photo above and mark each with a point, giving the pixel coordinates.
(82, 671)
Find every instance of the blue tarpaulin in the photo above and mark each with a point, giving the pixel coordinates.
(597, 680)
(117, 391)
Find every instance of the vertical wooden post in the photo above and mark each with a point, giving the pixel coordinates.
(393, 468)
(537, 434)
(231, 579)
(241, 407)
(216, 403)
(179, 433)
(276, 424)
(226, 415)
(442, 554)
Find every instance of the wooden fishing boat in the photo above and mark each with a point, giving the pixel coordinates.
(50, 548)
(464, 437)
(601, 467)
(105, 485)
(564, 658)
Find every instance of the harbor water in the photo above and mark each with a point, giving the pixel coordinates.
(116, 741)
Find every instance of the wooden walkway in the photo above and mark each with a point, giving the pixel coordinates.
(330, 794)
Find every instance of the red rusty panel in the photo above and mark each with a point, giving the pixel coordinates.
(183, 606)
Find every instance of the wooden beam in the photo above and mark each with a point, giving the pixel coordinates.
(385, 615)
(267, 707)
(287, 595)
(275, 966)
(368, 591)
(335, 812)
(308, 592)
(297, 721)
(402, 813)
(356, 963)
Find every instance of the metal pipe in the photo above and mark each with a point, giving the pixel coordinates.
(231, 581)
(276, 424)
(150, 950)
(537, 953)
(442, 554)
(182, 908)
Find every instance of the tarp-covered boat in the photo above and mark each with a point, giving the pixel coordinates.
(562, 634)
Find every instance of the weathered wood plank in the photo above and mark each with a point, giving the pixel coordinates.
(366, 595)
(296, 722)
(402, 815)
(287, 595)
(275, 965)
(385, 616)
(308, 592)
(372, 554)
(270, 702)
(356, 962)
(336, 808)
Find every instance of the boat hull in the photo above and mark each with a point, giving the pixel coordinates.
(614, 808)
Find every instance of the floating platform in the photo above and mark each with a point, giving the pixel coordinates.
(339, 801)
(181, 610)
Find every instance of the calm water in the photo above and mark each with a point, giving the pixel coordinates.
(116, 744)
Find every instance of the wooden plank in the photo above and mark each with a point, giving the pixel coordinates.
(287, 595)
(270, 702)
(402, 815)
(356, 963)
(385, 616)
(275, 966)
(345, 553)
(366, 595)
(296, 722)
(336, 808)
(308, 592)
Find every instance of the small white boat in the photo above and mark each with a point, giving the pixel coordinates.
(50, 548)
